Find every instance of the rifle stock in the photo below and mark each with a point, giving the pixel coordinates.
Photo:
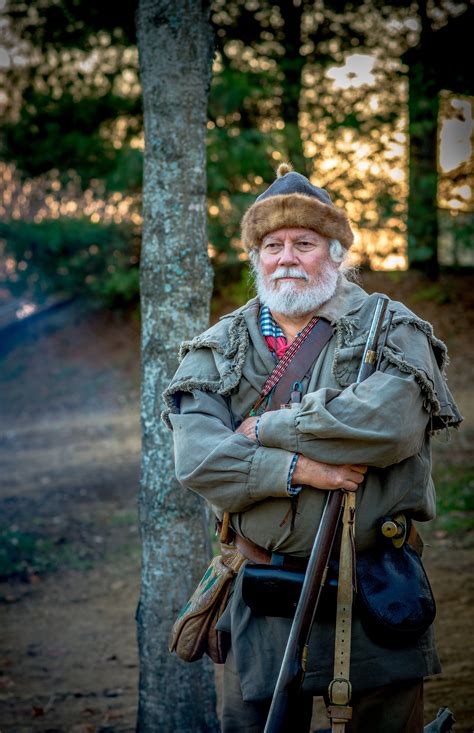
(292, 671)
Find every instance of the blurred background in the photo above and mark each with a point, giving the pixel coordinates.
(373, 101)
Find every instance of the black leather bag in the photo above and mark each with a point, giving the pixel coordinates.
(271, 590)
(394, 596)
(274, 590)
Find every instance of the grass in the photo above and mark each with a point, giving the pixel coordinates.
(32, 551)
(436, 293)
(24, 554)
(455, 498)
(124, 518)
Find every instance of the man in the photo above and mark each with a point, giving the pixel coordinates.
(249, 458)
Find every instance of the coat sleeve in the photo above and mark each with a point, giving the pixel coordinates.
(226, 468)
(378, 422)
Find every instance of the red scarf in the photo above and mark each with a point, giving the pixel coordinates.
(281, 345)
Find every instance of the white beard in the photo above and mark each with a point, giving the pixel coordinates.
(290, 299)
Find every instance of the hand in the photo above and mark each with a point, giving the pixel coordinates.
(326, 476)
(247, 428)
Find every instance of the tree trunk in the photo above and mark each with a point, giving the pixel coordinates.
(175, 48)
(423, 107)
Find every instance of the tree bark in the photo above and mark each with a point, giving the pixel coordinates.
(175, 48)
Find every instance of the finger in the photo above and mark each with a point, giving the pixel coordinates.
(350, 486)
(359, 469)
(353, 475)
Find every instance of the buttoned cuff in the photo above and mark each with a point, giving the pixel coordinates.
(257, 432)
(268, 474)
(292, 490)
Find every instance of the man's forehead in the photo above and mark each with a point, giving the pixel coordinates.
(292, 233)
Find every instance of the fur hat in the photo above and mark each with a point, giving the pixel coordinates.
(292, 201)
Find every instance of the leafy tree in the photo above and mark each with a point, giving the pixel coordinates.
(78, 96)
(256, 101)
(72, 125)
(428, 74)
(75, 92)
(73, 257)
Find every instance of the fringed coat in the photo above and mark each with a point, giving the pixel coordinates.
(386, 423)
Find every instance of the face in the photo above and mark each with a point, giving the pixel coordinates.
(294, 272)
(301, 249)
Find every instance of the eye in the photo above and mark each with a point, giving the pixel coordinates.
(272, 247)
(305, 245)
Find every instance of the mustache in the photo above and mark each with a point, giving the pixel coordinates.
(289, 272)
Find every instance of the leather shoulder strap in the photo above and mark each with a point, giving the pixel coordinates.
(306, 355)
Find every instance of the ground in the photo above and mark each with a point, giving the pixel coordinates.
(69, 544)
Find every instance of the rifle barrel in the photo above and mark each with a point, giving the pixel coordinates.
(292, 669)
(369, 357)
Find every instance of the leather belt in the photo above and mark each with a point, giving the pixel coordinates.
(261, 556)
(257, 554)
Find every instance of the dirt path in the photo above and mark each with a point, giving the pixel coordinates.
(70, 456)
(68, 489)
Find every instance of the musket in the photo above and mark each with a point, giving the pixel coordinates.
(293, 668)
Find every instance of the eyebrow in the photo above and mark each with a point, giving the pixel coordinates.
(303, 238)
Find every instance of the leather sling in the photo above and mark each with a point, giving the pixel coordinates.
(340, 689)
(304, 357)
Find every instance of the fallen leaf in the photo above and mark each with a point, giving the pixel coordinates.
(113, 715)
(117, 585)
(6, 682)
(89, 711)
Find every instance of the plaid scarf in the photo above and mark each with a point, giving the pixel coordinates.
(272, 333)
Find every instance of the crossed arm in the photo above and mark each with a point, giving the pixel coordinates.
(309, 472)
(335, 432)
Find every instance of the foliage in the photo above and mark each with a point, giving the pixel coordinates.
(456, 238)
(23, 554)
(233, 285)
(257, 98)
(74, 257)
(76, 92)
(435, 293)
(455, 498)
(73, 117)
(74, 111)
(69, 135)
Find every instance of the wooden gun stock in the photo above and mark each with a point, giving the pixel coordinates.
(293, 668)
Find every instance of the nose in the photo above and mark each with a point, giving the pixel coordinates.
(287, 255)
